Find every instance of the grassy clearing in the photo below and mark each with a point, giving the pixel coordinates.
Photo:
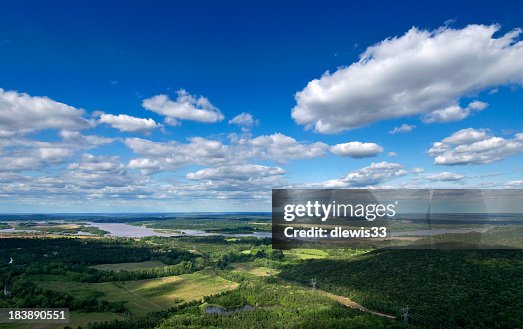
(144, 296)
(257, 271)
(302, 253)
(129, 266)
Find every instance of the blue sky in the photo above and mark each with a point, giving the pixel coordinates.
(205, 106)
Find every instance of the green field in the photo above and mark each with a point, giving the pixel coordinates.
(143, 296)
(255, 270)
(301, 253)
(129, 266)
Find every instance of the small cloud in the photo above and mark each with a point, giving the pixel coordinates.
(245, 120)
(474, 146)
(454, 112)
(127, 123)
(514, 184)
(185, 107)
(392, 154)
(445, 177)
(449, 22)
(356, 150)
(404, 128)
(375, 174)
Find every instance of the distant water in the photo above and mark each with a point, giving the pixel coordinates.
(131, 231)
(13, 230)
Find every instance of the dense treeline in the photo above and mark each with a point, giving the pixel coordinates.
(86, 251)
(25, 293)
(462, 288)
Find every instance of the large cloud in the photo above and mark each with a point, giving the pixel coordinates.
(157, 156)
(21, 113)
(421, 72)
(185, 107)
(474, 146)
(20, 153)
(18, 162)
(172, 155)
(90, 177)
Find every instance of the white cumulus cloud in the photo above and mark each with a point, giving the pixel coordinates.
(242, 181)
(202, 151)
(238, 172)
(474, 146)
(282, 148)
(445, 177)
(356, 150)
(454, 112)
(419, 73)
(127, 123)
(372, 175)
(185, 107)
(515, 184)
(404, 128)
(21, 113)
(245, 120)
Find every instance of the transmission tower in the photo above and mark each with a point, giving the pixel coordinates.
(313, 283)
(405, 311)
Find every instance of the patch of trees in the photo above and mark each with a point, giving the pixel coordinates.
(86, 251)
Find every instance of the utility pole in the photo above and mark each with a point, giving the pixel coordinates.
(7, 290)
(313, 283)
(405, 311)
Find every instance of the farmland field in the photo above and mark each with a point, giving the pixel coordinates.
(143, 296)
